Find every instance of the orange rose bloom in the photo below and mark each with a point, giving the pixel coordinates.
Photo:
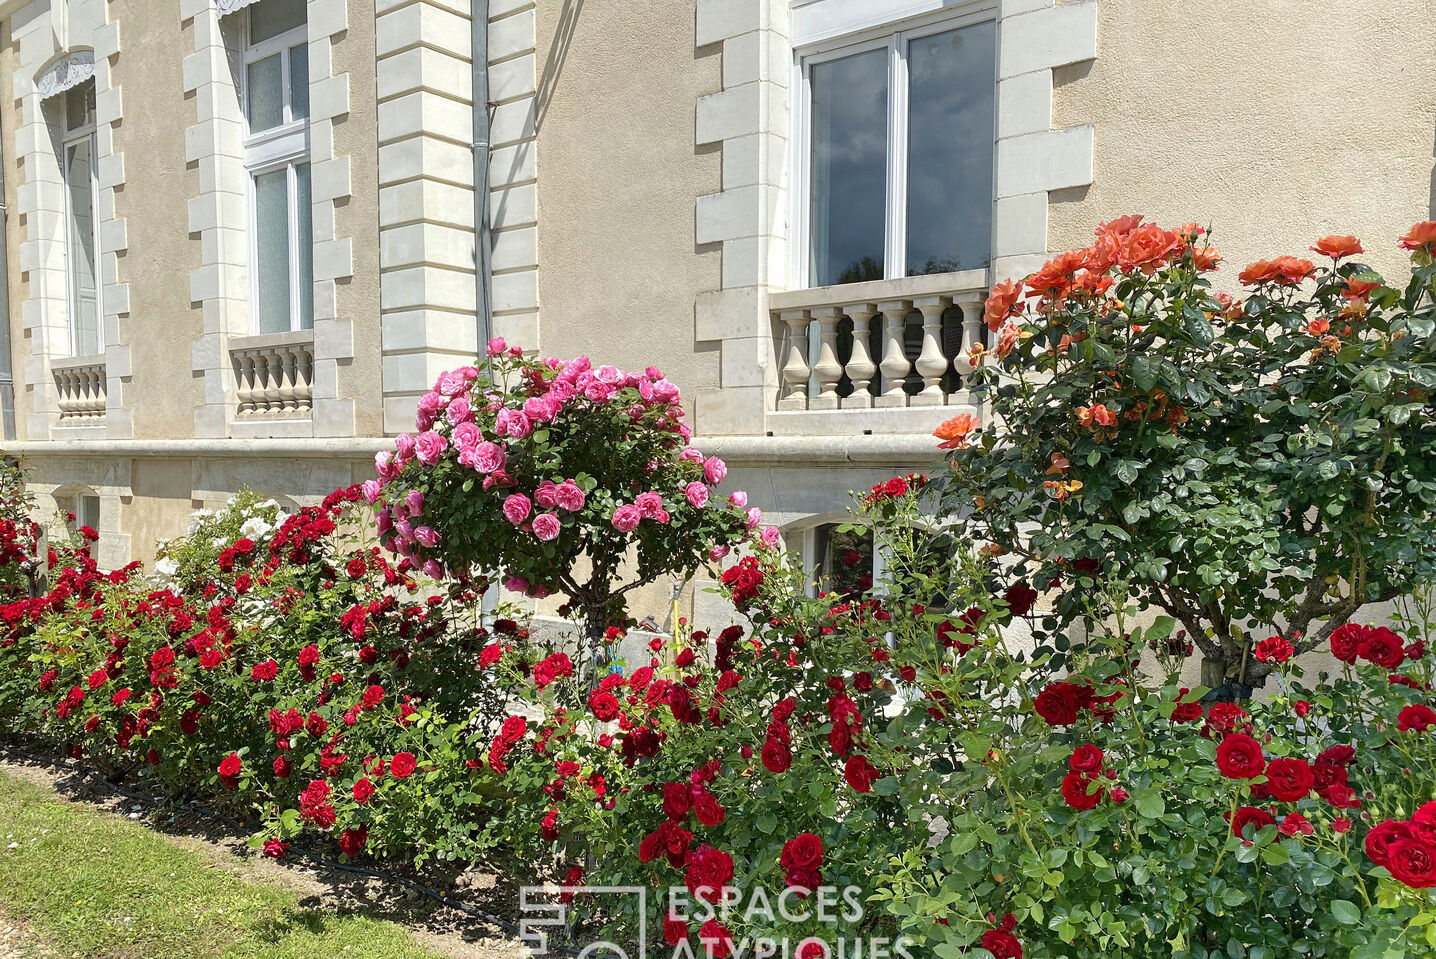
(1096, 415)
(1357, 289)
(1284, 270)
(1119, 227)
(1258, 272)
(955, 431)
(1146, 248)
(1422, 236)
(1007, 339)
(1206, 258)
(1337, 247)
(1000, 303)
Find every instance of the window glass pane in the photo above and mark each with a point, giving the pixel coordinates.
(80, 106)
(87, 512)
(81, 253)
(271, 243)
(848, 202)
(270, 18)
(952, 95)
(305, 217)
(299, 82)
(264, 89)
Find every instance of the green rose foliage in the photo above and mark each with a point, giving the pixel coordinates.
(1250, 466)
(979, 785)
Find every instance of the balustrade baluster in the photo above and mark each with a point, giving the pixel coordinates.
(827, 370)
(931, 363)
(895, 364)
(971, 336)
(861, 369)
(795, 370)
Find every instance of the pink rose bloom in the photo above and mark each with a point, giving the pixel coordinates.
(372, 488)
(405, 529)
(717, 553)
(459, 411)
(489, 457)
(383, 522)
(466, 436)
(547, 526)
(738, 498)
(569, 496)
(625, 518)
(450, 383)
(561, 391)
(546, 495)
(540, 409)
(650, 504)
(512, 423)
(469, 373)
(404, 443)
(754, 517)
(431, 402)
(770, 536)
(611, 375)
(432, 568)
(429, 447)
(665, 392)
(598, 392)
(516, 584)
(497, 346)
(427, 536)
(415, 502)
(697, 495)
(516, 508)
(384, 465)
(661, 516)
(684, 432)
(691, 455)
(714, 470)
(423, 420)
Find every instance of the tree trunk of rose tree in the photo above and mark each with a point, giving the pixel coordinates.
(596, 653)
(1225, 688)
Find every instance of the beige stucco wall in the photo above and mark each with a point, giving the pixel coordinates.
(154, 200)
(19, 287)
(618, 176)
(355, 136)
(1275, 121)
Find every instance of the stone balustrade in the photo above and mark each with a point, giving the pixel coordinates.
(80, 390)
(274, 375)
(879, 346)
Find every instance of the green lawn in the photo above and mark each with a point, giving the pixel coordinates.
(94, 885)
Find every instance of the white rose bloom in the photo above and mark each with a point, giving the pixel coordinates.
(166, 567)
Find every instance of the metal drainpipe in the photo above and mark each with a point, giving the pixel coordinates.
(7, 375)
(483, 244)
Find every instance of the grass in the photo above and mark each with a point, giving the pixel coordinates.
(94, 885)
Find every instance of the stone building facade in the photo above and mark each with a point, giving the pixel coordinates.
(241, 235)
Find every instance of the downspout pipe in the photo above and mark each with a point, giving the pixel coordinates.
(483, 240)
(7, 373)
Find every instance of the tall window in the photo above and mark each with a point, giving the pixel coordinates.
(82, 248)
(899, 135)
(276, 111)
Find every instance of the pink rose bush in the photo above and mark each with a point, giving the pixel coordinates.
(532, 470)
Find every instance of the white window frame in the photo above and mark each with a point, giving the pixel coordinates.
(895, 38)
(283, 147)
(68, 138)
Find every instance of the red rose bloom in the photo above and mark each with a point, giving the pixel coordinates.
(1295, 824)
(1383, 647)
(351, 841)
(1346, 641)
(1085, 759)
(716, 939)
(675, 930)
(264, 672)
(1382, 836)
(1246, 816)
(402, 765)
(1273, 649)
(709, 870)
(1417, 718)
(859, 773)
(1412, 863)
(1002, 945)
(776, 758)
(1059, 703)
(1289, 780)
(1240, 757)
(363, 790)
(1075, 788)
